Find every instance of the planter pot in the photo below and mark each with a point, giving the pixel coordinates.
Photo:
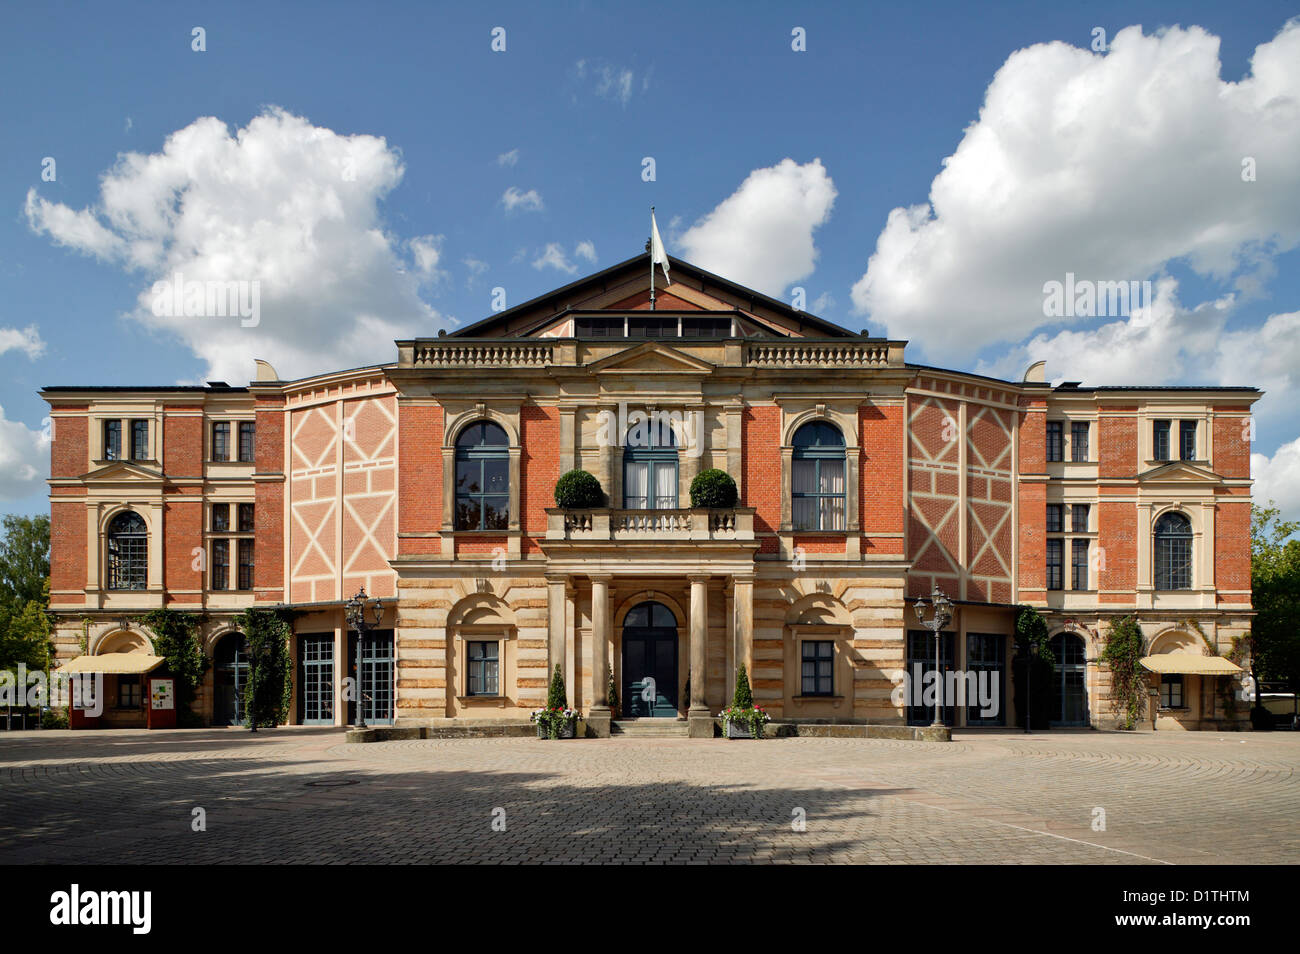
(568, 730)
(738, 730)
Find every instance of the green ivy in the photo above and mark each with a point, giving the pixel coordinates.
(269, 691)
(1124, 647)
(176, 638)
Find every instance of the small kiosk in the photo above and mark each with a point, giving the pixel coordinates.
(96, 692)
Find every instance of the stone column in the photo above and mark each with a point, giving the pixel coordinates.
(743, 615)
(699, 722)
(557, 605)
(598, 714)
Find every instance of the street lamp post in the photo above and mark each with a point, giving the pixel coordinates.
(942, 615)
(356, 616)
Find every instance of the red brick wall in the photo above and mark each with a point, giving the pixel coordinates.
(1117, 532)
(70, 451)
(1232, 546)
(68, 546)
(882, 438)
(183, 531)
(182, 443)
(1032, 569)
(419, 481)
(760, 462)
(539, 469)
(1231, 446)
(268, 548)
(1117, 444)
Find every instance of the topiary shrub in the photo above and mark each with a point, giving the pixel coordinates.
(744, 697)
(578, 490)
(557, 696)
(713, 489)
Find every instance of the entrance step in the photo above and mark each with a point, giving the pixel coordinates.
(648, 728)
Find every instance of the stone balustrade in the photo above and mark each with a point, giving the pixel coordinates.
(653, 526)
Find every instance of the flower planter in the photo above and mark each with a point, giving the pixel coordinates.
(568, 730)
(738, 730)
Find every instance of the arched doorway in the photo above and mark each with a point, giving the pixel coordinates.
(650, 662)
(229, 675)
(1071, 705)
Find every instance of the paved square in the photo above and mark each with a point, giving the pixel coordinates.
(297, 795)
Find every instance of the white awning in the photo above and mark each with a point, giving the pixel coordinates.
(115, 664)
(1188, 664)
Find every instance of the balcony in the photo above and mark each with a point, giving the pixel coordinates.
(605, 525)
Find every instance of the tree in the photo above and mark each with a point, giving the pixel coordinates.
(269, 691)
(744, 697)
(1275, 582)
(25, 559)
(557, 696)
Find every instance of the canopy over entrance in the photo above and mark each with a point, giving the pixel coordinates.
(1187, 664)
(116, 664)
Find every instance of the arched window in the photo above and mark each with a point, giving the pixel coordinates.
(650, 467)
(818, 478)
(482, 477)
(128, 552)
(1173, 541)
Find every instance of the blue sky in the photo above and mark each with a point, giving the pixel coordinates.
(882, 96)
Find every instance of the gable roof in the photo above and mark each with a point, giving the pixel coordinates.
(529, 316)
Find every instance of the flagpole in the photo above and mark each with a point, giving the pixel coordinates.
(652, 259)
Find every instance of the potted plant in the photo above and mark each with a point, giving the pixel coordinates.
(578, 490)
(742, 719)
(557, 720)
(714, 489)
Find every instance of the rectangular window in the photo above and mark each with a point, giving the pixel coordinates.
(1187, 440)
(245, 580)
(818, 658)
(128, 692)
(1079, 440)
(221, 440)
(1171, 691)
(245, 518)
(221, 564)
(484, 668)
(1078, 564)
(1055, 552)
(1079, 518)
(220, 518)
(1055, 518)
(246, 440)
(595, 327)
(139, 440)
(706, 327)
(651, 326)
(112, 440)
(1055, 437)
(1161, 440)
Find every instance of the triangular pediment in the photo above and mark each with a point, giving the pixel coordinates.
(650, 357)
(1180, 472)
(124, 471)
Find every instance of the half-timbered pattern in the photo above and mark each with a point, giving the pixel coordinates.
(864, 482)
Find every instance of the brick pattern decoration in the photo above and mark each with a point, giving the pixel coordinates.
(1031, 573)
(760, 462)
(419, 477)
(1117, 532)
(1232, 433)
(68, 549)
(933, 504)
(183, 533)
(268, 544)
(1232, 549)
(1117, 442)
(369, 511)
(880, 502)
(183, 442)
(539, 469)
(989, 524)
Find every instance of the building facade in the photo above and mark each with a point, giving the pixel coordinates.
(864, 482)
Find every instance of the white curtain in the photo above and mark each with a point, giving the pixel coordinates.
(833, 483)
(666, 485)
(635, 481)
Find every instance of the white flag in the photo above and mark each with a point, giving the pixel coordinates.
(657, 254)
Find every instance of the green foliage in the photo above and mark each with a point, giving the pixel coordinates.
(612, 692)
(25, 559)
(556, 696)
(176, 637)
(25, 634)
(1274, 644)
(713, 489)
(578, 490)
(1031, 671)
(1124, 646)
(269, 691)
(744, 697)
(1031, 630)
(54, 719)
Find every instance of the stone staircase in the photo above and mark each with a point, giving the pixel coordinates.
(648, 729)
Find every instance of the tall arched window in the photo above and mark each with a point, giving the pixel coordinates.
(1173, 540)
(818, 479)
(482, 477)
(650, 468)
(128, 552)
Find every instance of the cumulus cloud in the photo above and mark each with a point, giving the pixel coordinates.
(24, 459)
(1277, 478)
(426, 251)
(762, 234)
(553, 257)
(27, 340)
(614, 83)
(288, 205)
(586, 250)
(1107, 166)
(513, 198)
(508, 159)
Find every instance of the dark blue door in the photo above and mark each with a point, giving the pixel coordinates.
(650, 662)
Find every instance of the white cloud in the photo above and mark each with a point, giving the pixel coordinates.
(27, 340)
(553, 257)
(508, 159)
(614, 83)
(476, 268)
(292, 206)
(426, 251)
(824, 303)
(586, 250)
(513, 198)
(24, 459)
(762, 234)
(1107, 166)
(1277, 478)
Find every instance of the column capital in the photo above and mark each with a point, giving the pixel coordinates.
(699, 577)
(552, 579)
(600, 577)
